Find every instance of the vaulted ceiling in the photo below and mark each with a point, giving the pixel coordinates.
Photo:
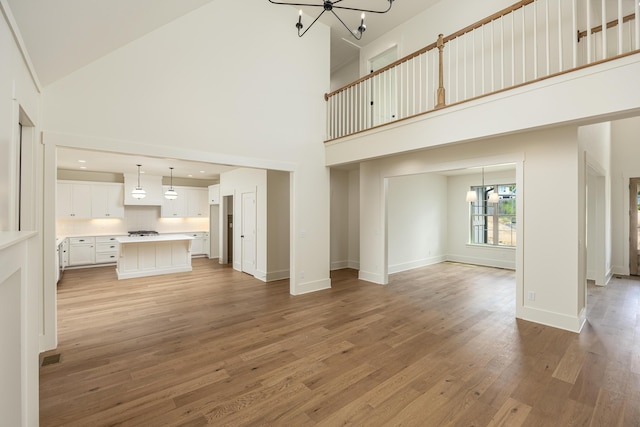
(62, 36)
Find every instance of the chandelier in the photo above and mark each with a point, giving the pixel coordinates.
(332, 6)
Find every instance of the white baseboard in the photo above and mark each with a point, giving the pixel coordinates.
(308, 287)
(272, 276)
(487, 262)
(371, 277)
(397, 268)
(549, 318)
(339, 265)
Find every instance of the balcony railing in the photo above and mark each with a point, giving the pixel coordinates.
(524, 43)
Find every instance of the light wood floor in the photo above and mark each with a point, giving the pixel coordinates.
(438, 346)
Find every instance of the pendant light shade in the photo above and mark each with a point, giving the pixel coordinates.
(171, 194)
(494, 197)
(138, 192)
(472, 196)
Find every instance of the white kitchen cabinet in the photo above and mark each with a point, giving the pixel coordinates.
(176, 208)
(107, 249)
(107, 200)
(190, 203)
(82, 251)
(214, 194)
(197, 202)
(73, 200)
(205, 244)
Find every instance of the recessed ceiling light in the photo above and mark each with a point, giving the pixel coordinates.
(141, 171)
(83, 167)
(189, 175)
(201, 171)
(82, 161)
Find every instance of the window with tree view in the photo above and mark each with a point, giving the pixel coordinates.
(493, 219)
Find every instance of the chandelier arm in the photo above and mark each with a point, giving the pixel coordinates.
(314, 21)
(362, 10)
(348, 29)
(296, 4)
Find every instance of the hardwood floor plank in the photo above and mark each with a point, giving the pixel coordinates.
(439, 345)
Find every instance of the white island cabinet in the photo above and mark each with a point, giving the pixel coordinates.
(142, 256)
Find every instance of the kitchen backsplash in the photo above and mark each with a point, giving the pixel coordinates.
(135, 218)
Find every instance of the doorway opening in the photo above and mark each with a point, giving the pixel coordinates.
(226, 232)
(634, 226)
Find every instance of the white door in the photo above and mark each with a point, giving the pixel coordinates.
(383, 91)
(248, 233)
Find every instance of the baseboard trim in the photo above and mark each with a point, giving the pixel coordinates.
(397, 268)
(308, 287)
(549, 318)
(371, 277)
(486, 262)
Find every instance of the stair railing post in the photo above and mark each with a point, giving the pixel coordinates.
(440, 46)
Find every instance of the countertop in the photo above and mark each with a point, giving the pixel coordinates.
(159, 238)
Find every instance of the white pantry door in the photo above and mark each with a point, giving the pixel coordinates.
(248, 233)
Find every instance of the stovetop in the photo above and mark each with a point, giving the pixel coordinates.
(143, 233)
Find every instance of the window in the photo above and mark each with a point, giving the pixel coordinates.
(494, 223)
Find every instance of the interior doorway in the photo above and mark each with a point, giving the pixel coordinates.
(634, 226)
(248, 233)
(383, 91)
(226, 230)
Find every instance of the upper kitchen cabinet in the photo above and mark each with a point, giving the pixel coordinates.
(190, 203)
(73, 200)
(197, 204)
(152, 185)
(176, 208)
(214, 194)
(107, 200)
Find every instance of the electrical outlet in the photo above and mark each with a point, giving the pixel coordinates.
(531, 296)
(302, 274)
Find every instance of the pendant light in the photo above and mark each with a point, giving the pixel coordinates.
(494, 197)
(138, 192)
(171, 194)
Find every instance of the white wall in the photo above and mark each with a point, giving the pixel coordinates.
(353, 257)
(547, 253)
(416, 221)
(278, 225)
(237, 182)
(345, 75)
(458, 248)
(595, 142)
(625, 152)
(251, 101)
(345, 219)
(21, 262)
(339, 219)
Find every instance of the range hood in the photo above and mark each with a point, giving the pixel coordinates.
(151, 184)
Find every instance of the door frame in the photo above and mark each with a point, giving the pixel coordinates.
(633, 226)
(242, 232)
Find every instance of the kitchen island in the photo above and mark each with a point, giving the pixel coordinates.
(142, 256)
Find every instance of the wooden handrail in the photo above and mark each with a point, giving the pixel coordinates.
(485, 95)
(488, 19)
(382, 70)
(611, 24)
(425, 49)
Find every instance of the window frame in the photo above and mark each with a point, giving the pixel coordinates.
(484, 216)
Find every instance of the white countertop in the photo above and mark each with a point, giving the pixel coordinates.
(159, 238)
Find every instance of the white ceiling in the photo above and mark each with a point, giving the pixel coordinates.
(62, 36)
(97, 161)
